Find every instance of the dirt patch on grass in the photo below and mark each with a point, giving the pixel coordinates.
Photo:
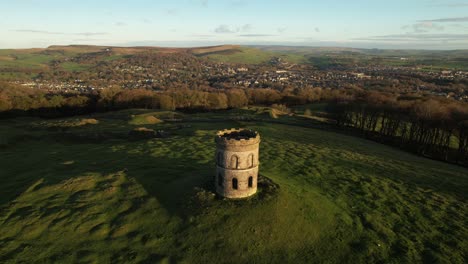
(144, 120)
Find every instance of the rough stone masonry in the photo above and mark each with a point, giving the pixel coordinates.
(237, 162)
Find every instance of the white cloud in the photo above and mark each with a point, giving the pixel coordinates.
(423, 27)
(227, 29)
(442, 20)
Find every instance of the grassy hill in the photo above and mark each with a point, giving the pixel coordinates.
(323, 57)
(245, 55)
(27, 63)
(79, 191)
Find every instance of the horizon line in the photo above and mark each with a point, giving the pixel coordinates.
(182, 46)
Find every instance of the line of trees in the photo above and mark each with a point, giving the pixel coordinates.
(15, 99)
(432, 127)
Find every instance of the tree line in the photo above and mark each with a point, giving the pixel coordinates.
(434, 127)
(17, 99)
(430, 126)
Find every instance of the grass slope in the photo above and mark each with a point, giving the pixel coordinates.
(247, 55)
(87, 194)
(324, 57)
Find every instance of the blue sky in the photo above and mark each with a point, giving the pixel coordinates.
(426, 24)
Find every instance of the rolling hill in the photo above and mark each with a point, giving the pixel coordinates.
(28, 63)
(80, 191)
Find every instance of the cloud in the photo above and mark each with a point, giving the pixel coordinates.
(457, 4)
(443, 20)
(38, 31)
(203, 3)
(200, 3)
(459, 26)
(317, 30)
(422, 27)
(88, 40)
(256, 35)
(87, 34)
(120, 24)
(171, 12)
(448, 4)
(226, 29)
(281, 29)
(202, 35)
(246, 27)
(417, 37)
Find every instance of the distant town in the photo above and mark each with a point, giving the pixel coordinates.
(159, 72)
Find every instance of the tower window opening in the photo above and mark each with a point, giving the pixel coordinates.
(251, 160)
(250, 182)
(234, 162)
(234, 184)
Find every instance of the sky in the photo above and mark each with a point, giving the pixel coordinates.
(400, 24)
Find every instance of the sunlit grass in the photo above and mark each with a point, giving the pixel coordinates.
(107, 199)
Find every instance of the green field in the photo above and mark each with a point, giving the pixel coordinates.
(250, 55)
(24, 59)
(27, 63)
(324, 57)
(75, 67)
(75, 191)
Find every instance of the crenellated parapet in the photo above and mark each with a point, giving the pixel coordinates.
(237, 137)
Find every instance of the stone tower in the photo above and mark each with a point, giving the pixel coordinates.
(237, 162)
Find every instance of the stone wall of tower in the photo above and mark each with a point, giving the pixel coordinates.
(237, 162)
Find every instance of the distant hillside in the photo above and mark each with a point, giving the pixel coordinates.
(305, 49)
(324, 57)
(244, 54)
(388, 52)
(222, 49)
(27, 63)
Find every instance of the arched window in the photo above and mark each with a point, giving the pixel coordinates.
(220, 180)
(220, 158)
(250, 160)
(234, 162)
(250, 182)
(234, 183)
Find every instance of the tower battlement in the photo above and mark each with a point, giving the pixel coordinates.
(237, 137)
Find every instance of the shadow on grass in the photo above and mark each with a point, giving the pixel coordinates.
(169, 180)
